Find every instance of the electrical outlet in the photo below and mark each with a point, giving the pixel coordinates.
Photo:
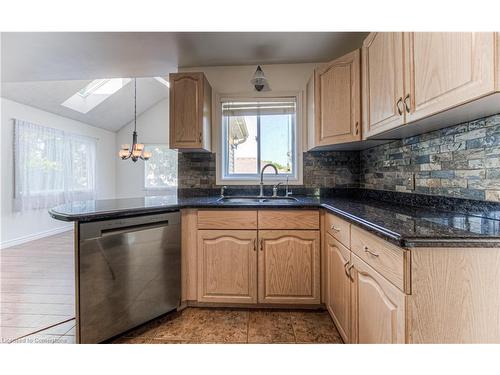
(411, 182)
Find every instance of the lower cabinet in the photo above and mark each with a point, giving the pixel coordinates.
(227, 266)
(289, 267)
(338, 285)
(378, 307)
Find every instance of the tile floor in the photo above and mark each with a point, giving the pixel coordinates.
(208, 325)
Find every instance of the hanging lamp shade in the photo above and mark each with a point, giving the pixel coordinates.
(259, 80)
(136, 151)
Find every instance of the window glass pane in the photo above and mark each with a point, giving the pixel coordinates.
(160, 171)
(241, 144)
(277, 142)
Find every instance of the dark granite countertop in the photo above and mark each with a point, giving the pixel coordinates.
(404, 225)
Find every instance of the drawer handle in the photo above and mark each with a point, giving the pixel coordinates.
(370, 252)
(336, 229)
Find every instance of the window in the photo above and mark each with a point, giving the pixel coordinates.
(255, 133)
(51, 166)
(94, 94)
(160, 171)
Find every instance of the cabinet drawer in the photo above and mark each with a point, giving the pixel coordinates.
(339, 229)
(289, 219)
(227, 219)
(389, 260)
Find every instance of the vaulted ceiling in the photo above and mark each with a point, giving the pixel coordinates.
(44, 69)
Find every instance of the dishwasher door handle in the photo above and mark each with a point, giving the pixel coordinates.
(133, 228)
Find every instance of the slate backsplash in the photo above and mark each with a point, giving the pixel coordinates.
(325, 169)
(459, 161)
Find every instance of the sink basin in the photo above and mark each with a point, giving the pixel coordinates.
(247, 200)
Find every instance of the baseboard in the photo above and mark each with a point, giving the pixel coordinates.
(32, 237)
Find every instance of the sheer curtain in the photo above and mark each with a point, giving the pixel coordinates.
(51, 166)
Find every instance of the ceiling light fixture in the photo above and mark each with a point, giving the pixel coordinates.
(137, 151)
(259, 80)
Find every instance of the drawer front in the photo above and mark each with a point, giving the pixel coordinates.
(227, 219)
(288, 219)
(339, 229)
(385, 258)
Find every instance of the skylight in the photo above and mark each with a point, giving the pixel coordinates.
(94, 94)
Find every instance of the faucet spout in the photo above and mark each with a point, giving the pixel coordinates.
(262, 177)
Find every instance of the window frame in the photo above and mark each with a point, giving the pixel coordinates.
(220, 130)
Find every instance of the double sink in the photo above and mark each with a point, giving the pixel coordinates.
(256, 199)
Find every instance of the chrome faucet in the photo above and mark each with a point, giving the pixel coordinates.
(275, 189)
(262, 177)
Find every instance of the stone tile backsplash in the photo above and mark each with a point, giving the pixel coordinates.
(460, 161)
(325, 169)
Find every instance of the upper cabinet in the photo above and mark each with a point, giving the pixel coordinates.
(190, 111)
(447, 69)
(383, 84)
(418, 82)
(334, 102)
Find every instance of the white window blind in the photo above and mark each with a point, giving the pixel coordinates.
(51, 166)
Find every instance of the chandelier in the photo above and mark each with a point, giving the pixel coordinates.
(137, 151)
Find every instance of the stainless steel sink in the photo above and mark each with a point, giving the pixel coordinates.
(256, 199)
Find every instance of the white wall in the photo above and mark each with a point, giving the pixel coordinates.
(152, 127)
(236, 79)
(18, 227)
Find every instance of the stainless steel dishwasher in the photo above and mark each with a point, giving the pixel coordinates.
(128, 272)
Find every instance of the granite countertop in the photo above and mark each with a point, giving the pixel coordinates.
(404, 225)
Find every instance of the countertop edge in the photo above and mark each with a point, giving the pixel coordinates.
(390, 236)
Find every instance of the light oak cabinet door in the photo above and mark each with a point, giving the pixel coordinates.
(289, 264)
(227, 266)
(378, 307)
(445, 70)
(190, 111)
(337, 101)
(338, 285)
(383, 82)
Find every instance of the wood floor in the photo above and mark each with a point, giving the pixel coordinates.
(37, 288)
(232, 326)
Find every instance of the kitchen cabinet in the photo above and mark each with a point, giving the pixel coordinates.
(378, 307)
(337, 102)
(383, 82)
(414, 83)
(190, 111)
(227, 261)
(288, 269)
(338, 290)
(446, 69)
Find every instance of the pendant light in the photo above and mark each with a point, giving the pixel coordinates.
(137, 151)
(259, 80)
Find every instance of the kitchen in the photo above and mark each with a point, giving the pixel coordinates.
(350, 197)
